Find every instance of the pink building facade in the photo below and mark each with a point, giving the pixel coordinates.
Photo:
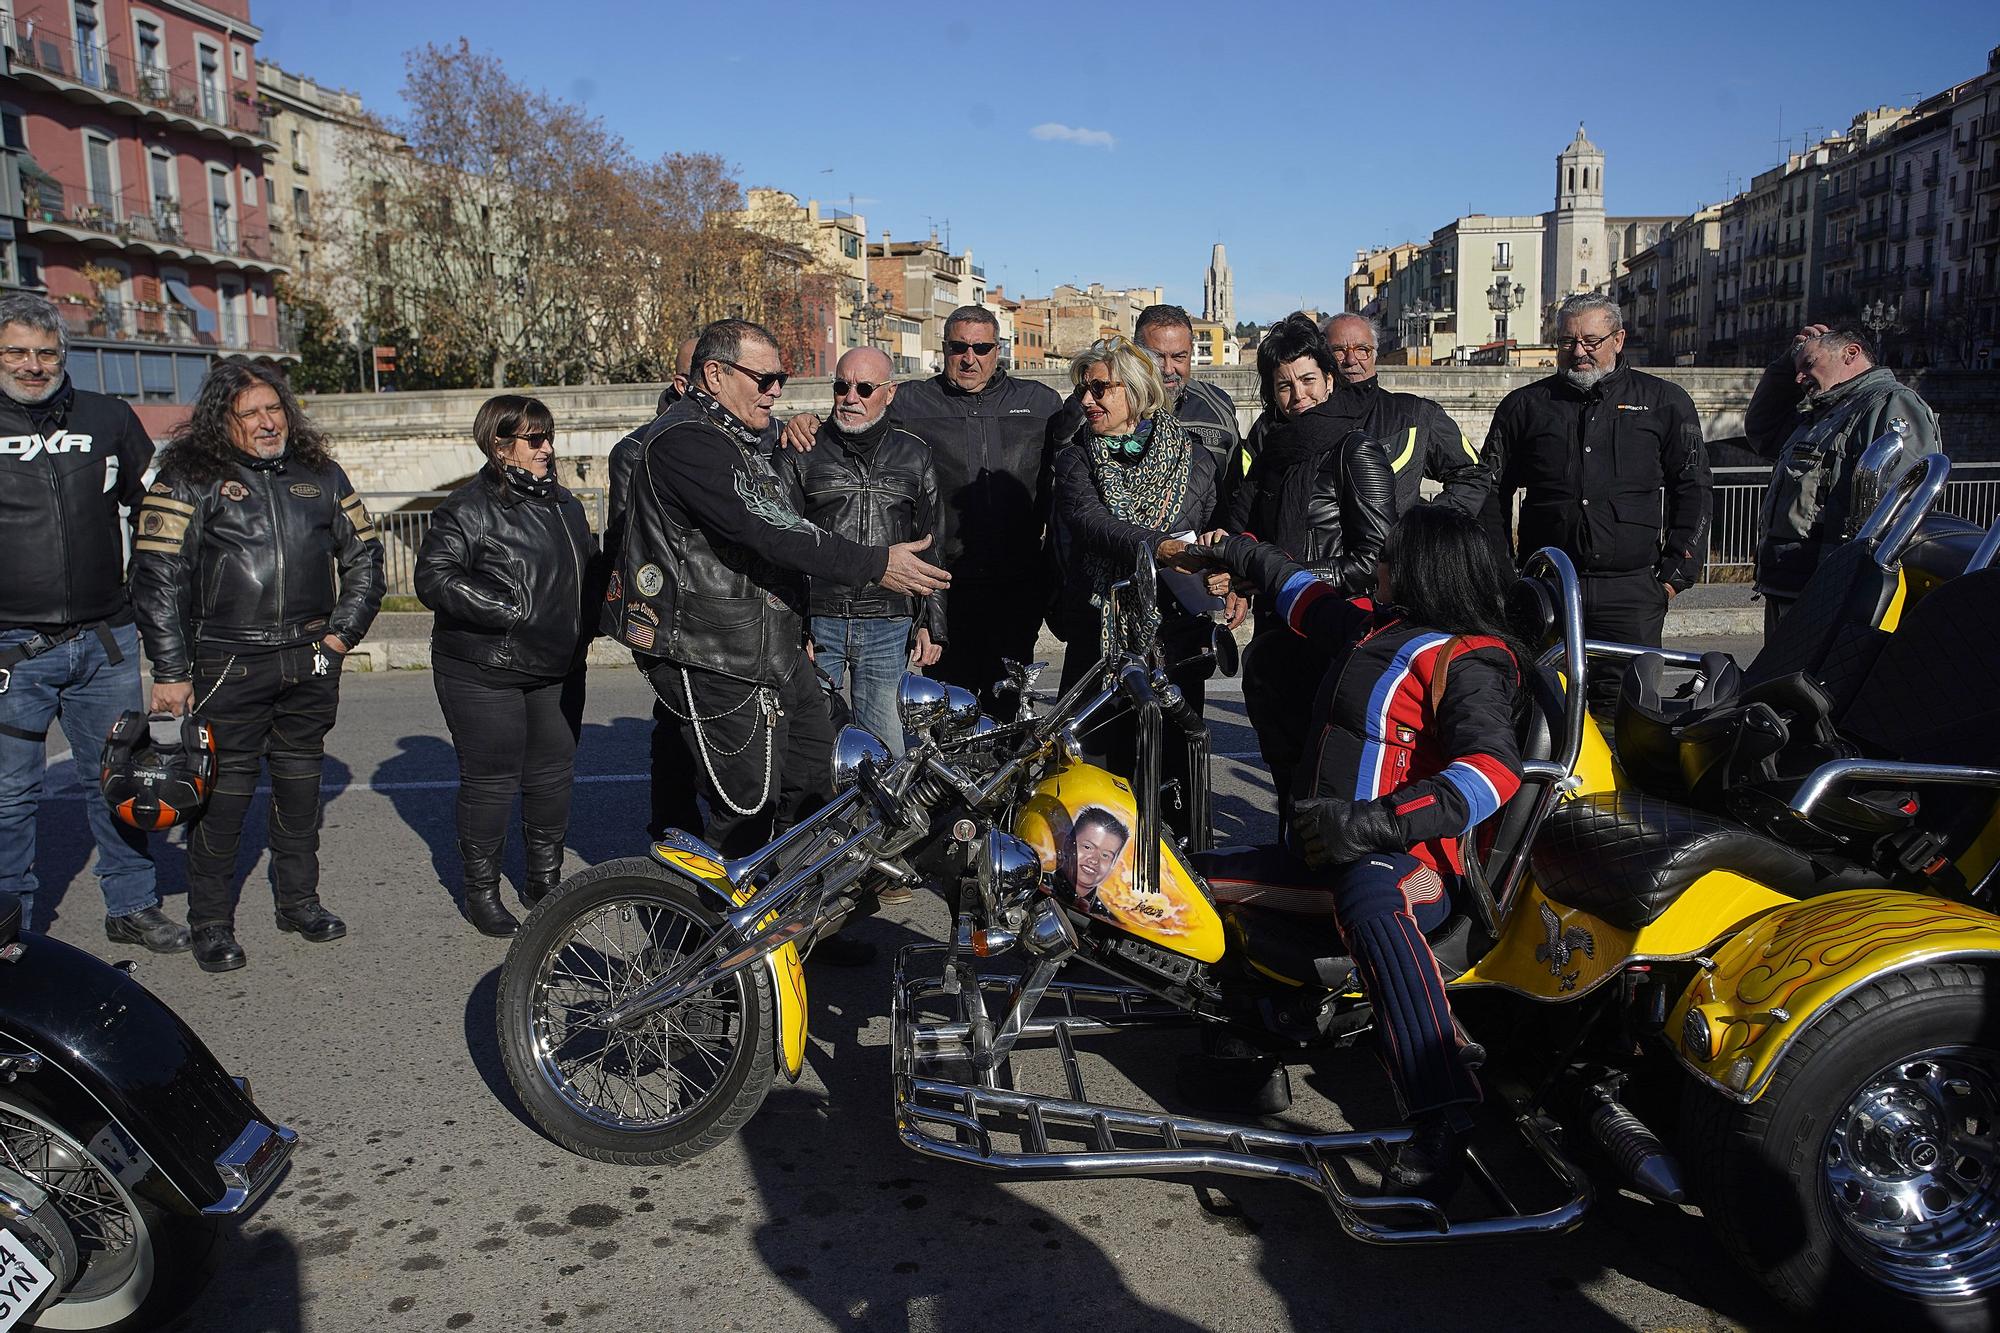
(133, 191)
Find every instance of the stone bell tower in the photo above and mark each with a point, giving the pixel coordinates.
(1574, 238)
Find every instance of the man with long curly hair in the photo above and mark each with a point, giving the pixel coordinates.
(256, 570)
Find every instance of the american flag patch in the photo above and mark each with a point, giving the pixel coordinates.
(639, 635)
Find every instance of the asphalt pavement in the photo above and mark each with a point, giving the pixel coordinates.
(421, 1198)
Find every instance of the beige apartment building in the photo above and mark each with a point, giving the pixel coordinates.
(926, 282)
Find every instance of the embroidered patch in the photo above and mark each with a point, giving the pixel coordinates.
(234, 490)
(650, 579)
(160, 488)
(305, 490)
(614, 590)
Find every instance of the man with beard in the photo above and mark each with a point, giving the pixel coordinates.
(1817, 409)
(867, 481)
(1614, 475)
(1420, 439)
(69, 459)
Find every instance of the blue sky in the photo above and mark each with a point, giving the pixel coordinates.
(1293, 133)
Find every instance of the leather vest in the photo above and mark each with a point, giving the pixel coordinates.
(709, 605)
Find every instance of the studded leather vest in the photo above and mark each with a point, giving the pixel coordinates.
(699, 602)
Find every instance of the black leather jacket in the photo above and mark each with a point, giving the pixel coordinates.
(877, 488)
(1323, 492)
(994, 456)
(263, 555)
(66, 466)
(510, 577)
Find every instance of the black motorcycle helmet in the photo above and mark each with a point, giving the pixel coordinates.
(153, 779)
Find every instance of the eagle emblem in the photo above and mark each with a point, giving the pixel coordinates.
(1562, 945)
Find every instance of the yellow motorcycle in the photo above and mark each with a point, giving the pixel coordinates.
(1798, 1042)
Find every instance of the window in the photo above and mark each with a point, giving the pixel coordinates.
(219, 210)
(152, 64)
(1503, 254)
(89, 43)
(229, 305)
(160, 172)
(121, 374)
(13, 129)
(208, 78)
(302, 206)
(28, 261)
(239, 65)
(156, 377)
(99, 178)
(189, 371)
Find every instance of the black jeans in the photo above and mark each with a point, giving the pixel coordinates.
(771, 751)
(1281, 676)
(512, 738)
(1624, 608)
(673, 768)
(990, 622)
(271, 706)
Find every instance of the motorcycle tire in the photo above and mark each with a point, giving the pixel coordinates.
(140, 1262)
(1807, 1191)
(567, 945)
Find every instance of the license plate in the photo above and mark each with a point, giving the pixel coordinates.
(23, 1280)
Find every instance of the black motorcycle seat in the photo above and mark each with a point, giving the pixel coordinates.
(1626, 856)
(10, 919)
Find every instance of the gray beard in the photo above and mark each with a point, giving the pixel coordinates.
(1586, 379)
(845, 428)
(17, 391)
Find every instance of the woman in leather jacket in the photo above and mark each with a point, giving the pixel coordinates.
(1130, 477)
(1322, 492)
(1410, 745)
(508, 565)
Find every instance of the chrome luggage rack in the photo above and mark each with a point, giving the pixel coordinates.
(1038, 1135)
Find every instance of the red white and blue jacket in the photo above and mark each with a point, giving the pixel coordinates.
(1374, 732)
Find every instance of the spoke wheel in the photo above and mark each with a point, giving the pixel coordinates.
(1910, 1171)
(663, 1087)
(137, 1264)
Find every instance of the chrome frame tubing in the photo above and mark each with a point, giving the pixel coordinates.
(1557, 773)
(1837, 773)
(1877, 458)
(1983, 554)
(1893, 521)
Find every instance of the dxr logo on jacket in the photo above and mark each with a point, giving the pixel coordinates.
(29, 447)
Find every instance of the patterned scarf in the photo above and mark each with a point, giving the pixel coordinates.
(1149, 493)
(726, 419)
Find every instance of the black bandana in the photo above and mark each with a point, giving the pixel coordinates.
(726, 419)
(526, 482)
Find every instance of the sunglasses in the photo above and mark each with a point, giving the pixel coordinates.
(1098, 388)
(957, 348)
(536, 439)
(861, 387)
(767, 380)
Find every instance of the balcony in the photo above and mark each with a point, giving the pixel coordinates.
(1899, 230)
(1927, 225)
(1966, 150)
(1903, 181)
(1956, 249)
(1839, 201)
(1792, 247)
(1503, 263)
(1930, 177)
(1836, 252)
(1918, 275)
(1987, 232)
(1680, 320)
(136, 225)
(1871, 229)
(159, 95)
(1757, 291)
(1874, 183)
(1726, 305)
(176, 327)
(1988, 178)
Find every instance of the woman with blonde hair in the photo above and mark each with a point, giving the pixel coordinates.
(508, 566)
(1130, 476)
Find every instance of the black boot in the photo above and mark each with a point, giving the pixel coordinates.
(1431, 1162)
(1230, 1074)
(312, 921)
(216, 949)
(483, 908)
(545, 859)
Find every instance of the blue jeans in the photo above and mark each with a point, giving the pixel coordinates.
(76, 682)
(877, 653)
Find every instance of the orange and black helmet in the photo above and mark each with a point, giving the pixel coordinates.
(153, 784)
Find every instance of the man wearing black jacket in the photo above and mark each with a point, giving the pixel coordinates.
(712, 592)
(69, 460)
(867, 481)
(256, 570)
(1419, 437)
(1615, 476)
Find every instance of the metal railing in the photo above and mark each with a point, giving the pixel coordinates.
(405, 516)
(120, 77)
(139, 219)
(1972, 493)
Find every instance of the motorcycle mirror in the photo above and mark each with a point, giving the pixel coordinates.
(1228, 657)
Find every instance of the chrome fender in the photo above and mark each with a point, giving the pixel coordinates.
(1763, 987)
(788, 974)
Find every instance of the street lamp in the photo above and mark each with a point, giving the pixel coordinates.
(1415, 323)
(1878, 317)
(1503, 298)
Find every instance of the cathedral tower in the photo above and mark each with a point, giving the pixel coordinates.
(1575, 240)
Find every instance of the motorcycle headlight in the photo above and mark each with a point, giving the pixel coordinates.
(921, 702)
(1013, 868)
(961, 710)
(851, 749)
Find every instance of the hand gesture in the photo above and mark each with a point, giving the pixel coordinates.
(924, 652)
(909, 574)
(1234, 608)
(176, 698)
(800, 432)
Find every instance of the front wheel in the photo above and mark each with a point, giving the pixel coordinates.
(663, 1088)
(1867, 1177)
(138, 1264)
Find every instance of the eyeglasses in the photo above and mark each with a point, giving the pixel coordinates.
(861, 387)
(1584, 344)
(767, 380)
(17, 356)
(956, 348)
(1352, 349)
(534, 439)
(1098, 388)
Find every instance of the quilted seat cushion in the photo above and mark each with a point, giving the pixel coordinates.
(1625, 856)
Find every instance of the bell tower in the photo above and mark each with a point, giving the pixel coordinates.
(1575, 242)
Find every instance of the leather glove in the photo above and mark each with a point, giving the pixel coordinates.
(1330, 832)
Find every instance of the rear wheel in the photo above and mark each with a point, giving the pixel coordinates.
(662, 1088)
(1867, 1177)
(138, 1264)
